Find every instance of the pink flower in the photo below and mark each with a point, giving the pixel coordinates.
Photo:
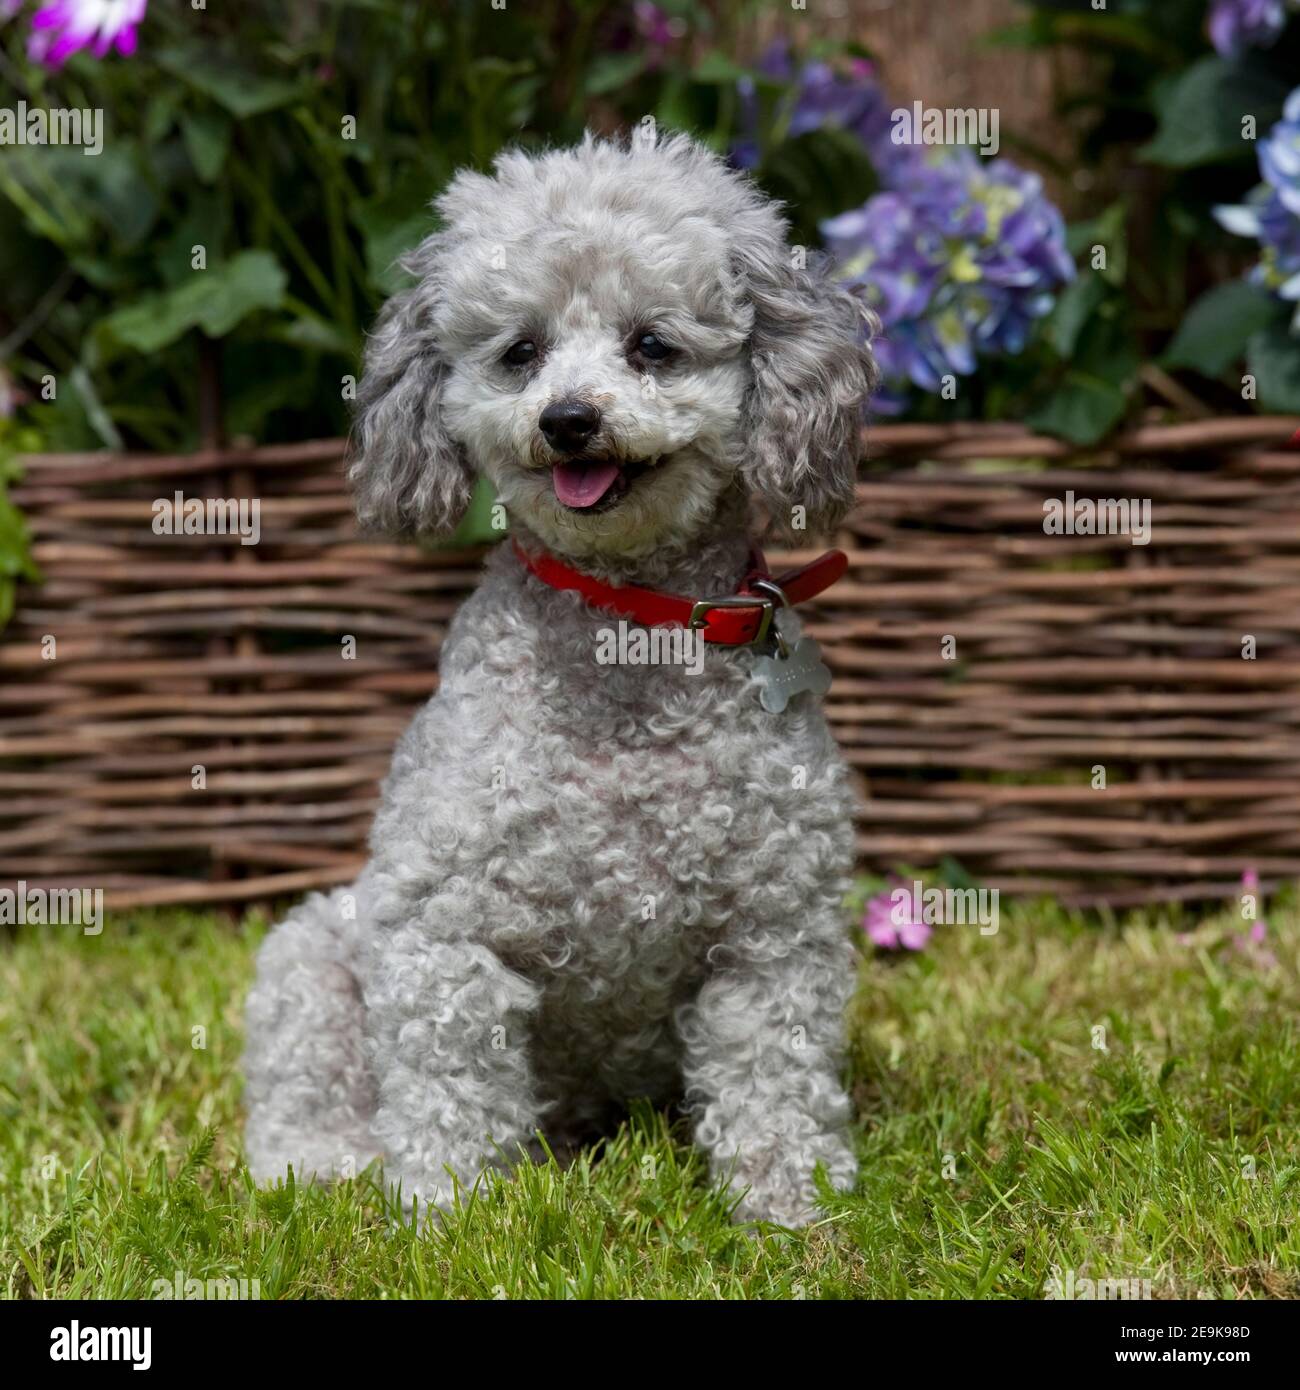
(896, 918)
(65, 27)
(1251, 943)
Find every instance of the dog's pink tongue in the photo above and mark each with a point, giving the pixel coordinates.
(580, 484)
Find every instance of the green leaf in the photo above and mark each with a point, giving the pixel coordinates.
(160, 112)
(1109, 230)
(1076, 306)
(207, 141)
(613, 70)
(313, 334)
(99, 419)
(241, 89)
(215, 300)
(392, 225)
(1091, 398)
(716, 67)
(1214, 333)
(1201, 113)
(1273, 356)
(1082, 409)
(83, 205)
(15, 541)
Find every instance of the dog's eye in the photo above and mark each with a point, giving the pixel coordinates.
(653, 347)
(520, 354)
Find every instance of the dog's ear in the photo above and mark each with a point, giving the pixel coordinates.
(813, 372)
(408, 475)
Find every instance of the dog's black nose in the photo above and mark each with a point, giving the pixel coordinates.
(568, 425)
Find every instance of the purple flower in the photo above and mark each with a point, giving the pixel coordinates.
(849, 98)
(1236, 25)
(67, 26)
(959, 261)
(1271, 212)
(896, 918)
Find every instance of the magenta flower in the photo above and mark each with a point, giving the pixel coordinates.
(65, 27)
(896, 918)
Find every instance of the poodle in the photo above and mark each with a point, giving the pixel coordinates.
(592, 881)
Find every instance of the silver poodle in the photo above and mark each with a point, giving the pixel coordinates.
(589, 882)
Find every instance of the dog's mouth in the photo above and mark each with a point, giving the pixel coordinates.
(595, 484)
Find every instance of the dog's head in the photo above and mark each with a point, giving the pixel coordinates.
(615, 335)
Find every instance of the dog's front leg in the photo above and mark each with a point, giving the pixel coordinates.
(449, 1046)
(763, 1043)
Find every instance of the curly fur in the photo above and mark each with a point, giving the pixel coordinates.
(588, 883)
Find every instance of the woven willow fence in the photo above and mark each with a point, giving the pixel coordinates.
(984, 669)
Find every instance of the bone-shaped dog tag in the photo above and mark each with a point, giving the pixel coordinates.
(781, 678)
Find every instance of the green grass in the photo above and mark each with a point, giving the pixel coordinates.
(996, 1140)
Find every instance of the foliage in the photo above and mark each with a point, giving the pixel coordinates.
(1170, 110)
(15, 541)
(292, 152)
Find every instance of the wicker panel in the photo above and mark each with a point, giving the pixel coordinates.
(1074, 652)
(1070, 652)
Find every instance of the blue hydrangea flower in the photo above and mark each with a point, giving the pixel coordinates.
(1271, 213)
(1236, 25)
(959, 261)
(849, 98)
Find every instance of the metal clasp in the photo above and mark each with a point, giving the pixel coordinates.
(770, 586)
(771, 599)
(700, 609)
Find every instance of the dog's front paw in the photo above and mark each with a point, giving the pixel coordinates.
(777, 1180)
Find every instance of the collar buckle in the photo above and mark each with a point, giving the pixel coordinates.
(768, 598)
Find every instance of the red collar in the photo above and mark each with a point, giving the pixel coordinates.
(741, 619)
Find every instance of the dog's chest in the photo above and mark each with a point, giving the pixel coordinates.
(614, 815)
(652, 824)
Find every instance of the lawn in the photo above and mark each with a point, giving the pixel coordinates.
(1107, 1100)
